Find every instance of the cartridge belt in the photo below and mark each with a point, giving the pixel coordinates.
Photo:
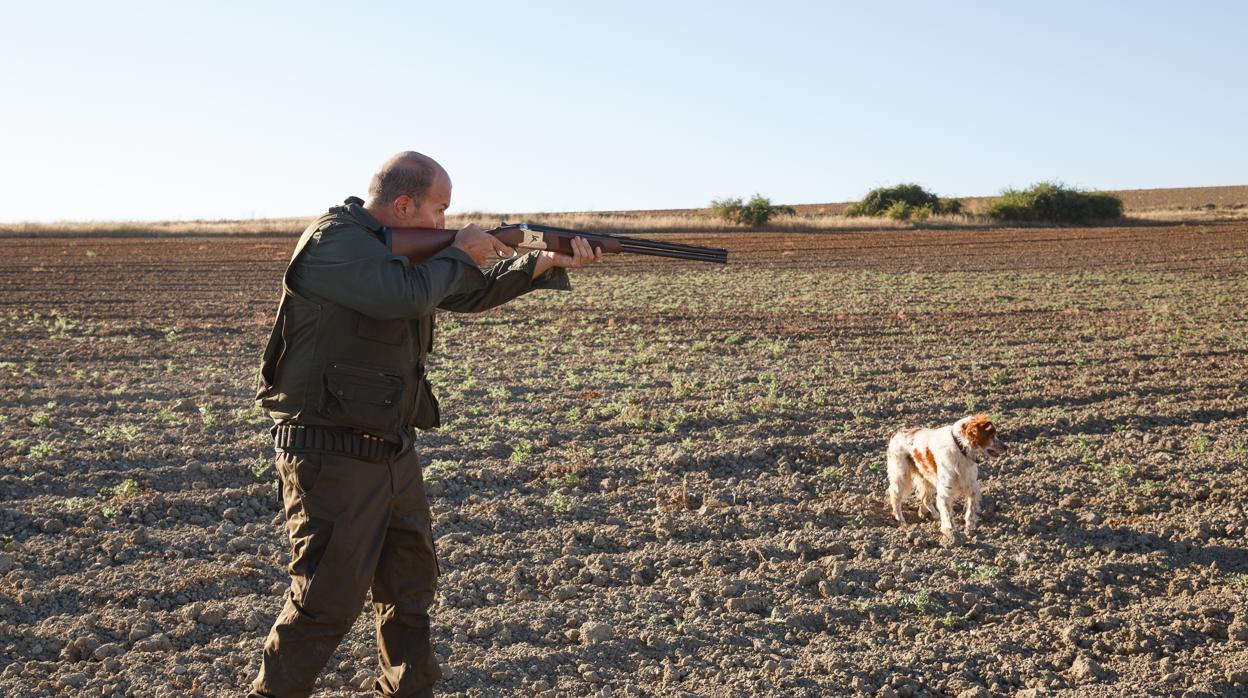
(304, 438)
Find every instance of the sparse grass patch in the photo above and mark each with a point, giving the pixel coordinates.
(980, 570)
(440, 469)
(206, 414)
(1150, 488)
(1200, 442)
(76, 503)
(128, 488)
(261, 467)
(42, 450)
(168, 416)
(113, 433)
(559, 502)
(521, 451)
(922, 602)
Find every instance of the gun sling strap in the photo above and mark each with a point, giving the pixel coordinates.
(301, 438)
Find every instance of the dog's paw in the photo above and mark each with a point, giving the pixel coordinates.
(949, 537)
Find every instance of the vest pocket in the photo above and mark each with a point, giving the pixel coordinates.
(362, 397)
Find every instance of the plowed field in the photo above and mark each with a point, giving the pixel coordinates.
(668, 482)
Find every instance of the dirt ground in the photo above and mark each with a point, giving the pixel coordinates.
(668, 482)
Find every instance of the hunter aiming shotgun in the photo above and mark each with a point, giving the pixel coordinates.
(419, 244)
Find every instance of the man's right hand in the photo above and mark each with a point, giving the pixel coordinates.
(480, 245)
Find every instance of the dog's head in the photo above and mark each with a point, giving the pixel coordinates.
(980, 435)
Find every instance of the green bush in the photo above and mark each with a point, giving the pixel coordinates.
(755, 213)
(911, 197)
(1053, 202)
(727, 210)
(899, 211)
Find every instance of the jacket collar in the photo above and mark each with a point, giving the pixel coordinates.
(353, 207)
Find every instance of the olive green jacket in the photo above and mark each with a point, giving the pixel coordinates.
(356, 322)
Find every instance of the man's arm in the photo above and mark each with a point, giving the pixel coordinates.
(349, 266)
(505, 281)
(516, 276)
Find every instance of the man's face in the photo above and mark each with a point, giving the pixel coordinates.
(430, 212)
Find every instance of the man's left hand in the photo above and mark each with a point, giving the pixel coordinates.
(583, 254)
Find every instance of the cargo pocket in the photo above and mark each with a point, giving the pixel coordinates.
(309, 539)
(362, 397)
(426, 414)
(301, 471)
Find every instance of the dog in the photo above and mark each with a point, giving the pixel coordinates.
(942, 466)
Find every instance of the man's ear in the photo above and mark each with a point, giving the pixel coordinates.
(403, 206)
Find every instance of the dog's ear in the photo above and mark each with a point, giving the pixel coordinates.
(978, 430)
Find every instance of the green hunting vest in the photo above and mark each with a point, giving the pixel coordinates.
(328, 365)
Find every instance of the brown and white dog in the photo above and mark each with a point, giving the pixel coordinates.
(942, 466)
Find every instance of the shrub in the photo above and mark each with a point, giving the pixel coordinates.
(727, 210)
(898, 211)
(1053, 202)
(911, 197)
(755, 213)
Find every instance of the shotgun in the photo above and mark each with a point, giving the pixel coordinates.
(419, 244)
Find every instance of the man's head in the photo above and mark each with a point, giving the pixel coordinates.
(410, 191)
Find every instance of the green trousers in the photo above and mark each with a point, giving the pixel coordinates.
(353, 525)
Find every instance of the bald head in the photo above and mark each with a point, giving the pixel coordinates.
(410, 191)
(409, 174)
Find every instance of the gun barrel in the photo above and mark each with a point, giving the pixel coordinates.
(654, 248)
(706, 254)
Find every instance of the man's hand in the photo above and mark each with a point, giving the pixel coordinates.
(583, 254)
(480, 245)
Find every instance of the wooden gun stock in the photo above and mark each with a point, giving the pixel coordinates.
(419, 244)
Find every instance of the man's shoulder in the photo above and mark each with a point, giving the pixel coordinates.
(346, 231)
(350, 214)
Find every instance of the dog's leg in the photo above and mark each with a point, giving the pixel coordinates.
(944, 503)
(927, 500)
(972, 509)
(899, 485)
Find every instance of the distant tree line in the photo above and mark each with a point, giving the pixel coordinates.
(1041, 202)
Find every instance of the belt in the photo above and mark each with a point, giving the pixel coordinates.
(348, 442)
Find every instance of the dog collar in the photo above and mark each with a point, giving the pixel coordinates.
(958, 442)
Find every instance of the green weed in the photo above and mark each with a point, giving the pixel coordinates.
(922, 602)
(42, 450)
(440, 470)
(76, 503)
(260, 467)
(559, 502)
(206, 414)
(521, 451)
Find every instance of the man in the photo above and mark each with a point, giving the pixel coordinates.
(343, 378)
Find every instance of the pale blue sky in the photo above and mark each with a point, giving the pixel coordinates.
(135, 110)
